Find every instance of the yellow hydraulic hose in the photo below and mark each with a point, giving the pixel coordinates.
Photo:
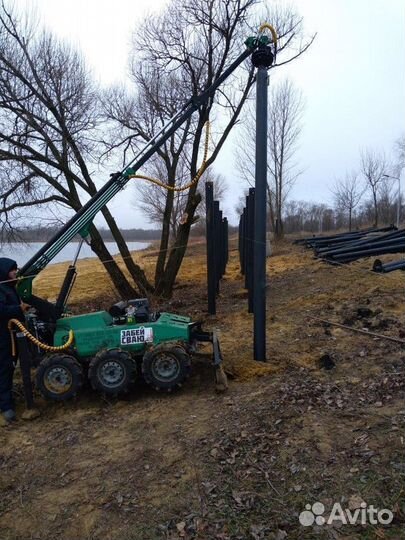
(272, 30)
(195, 179)
(44, 346)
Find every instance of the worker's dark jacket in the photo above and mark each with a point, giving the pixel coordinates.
(9, 309)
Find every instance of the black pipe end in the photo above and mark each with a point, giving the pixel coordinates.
(378, 266)
(262, 56)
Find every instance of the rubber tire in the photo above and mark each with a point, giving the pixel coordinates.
(69, 363)
(126, 362)
(152, 355)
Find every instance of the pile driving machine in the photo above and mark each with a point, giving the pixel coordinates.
(111, 348)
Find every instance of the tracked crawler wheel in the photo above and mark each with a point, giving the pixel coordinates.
(166, 367)
(112, 372)
(59, 377)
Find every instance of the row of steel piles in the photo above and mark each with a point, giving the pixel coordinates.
(217, 246)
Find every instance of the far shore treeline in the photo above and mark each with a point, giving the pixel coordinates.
(43, 234)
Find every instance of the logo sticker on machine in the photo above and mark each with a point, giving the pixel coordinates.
(136, 335)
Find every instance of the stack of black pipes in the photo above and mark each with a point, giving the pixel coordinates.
(314, 241)
(376, 243)
(350, 246)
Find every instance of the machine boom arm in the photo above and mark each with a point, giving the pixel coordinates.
(118, 180)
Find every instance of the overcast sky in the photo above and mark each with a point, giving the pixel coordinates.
(352, 79)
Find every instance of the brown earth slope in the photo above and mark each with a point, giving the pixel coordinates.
(241, 465)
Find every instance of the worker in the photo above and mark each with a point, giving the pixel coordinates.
(11, 307)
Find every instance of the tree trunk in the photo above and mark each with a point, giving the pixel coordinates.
(270, 209)
(118, 278)
(164, 238)
(137, 274)
(279, 232)
(166, 282)
(375, 209)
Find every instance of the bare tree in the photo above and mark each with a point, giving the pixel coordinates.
(136, 119)
(284, 127)
(200, 39)
(388, 201)
(347, 193)
(285, 115)
(308, 216)
(293, 218)
(151, 199)
(400, 153)
(373, 166)
(49, 121)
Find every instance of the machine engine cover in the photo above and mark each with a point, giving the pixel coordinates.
(138, 305)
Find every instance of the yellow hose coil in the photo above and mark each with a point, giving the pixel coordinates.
(272, 30)
(195, 179)
(44, 346)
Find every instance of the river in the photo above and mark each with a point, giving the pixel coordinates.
(22, 252)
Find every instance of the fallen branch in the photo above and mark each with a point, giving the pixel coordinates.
(266, 476)
(366, 332)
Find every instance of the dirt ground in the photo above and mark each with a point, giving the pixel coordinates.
(321, 421)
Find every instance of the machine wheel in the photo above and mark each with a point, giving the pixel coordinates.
(112, 372)
(166, 367)
(59, 377)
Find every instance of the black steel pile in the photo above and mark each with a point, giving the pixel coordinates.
(350, 246)
(380, 267)
(217, 246)
(246, 234)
